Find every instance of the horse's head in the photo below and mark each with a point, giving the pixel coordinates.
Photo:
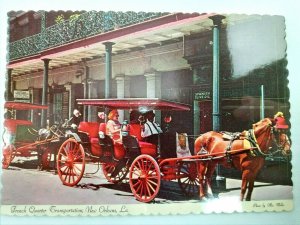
(266, 131)
(281, 140)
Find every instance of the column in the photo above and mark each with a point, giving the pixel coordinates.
(196, 105)
(217, 21)
(92, 112)
(8, 93)
(108, 71)
(69, 88)
(123, 84)
(45, 92)
(154, 89)
(86, 90)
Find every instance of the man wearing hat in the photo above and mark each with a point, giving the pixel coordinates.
(150, 130)
(75, 119)
(280, 129)
(280, 122)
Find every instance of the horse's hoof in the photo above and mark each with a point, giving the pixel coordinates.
(210, 196)
(204, 199)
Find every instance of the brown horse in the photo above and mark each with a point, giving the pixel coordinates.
(224, 148)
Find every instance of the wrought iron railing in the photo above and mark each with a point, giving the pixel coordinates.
(85, 25)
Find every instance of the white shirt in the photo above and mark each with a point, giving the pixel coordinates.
(151, 128)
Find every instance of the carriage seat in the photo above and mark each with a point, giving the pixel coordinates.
(11, 124)
(22, 130)
(135, 130)
(146, 148)
(91, 128)
(134, 147)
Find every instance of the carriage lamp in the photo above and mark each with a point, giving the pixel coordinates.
(167, 119)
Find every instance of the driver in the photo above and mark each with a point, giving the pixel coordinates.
(281, 128)
(75, 119)
(280, 122)
(151, 130)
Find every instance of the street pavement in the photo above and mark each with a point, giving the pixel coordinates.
(22, 184)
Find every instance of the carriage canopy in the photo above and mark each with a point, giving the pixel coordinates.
(142, 104)
(23, 106)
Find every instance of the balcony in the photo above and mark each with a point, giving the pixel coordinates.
(84, 26)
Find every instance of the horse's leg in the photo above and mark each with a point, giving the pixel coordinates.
(250, 189)
(245, 180)
(201, 175)
(209, 173)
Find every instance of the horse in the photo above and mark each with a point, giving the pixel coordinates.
(245, 151)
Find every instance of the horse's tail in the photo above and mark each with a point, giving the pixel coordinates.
(201, 143)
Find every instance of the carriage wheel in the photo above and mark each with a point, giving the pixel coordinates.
(108, 168)
(144, 178)
(9, 153)
(188, 178)
(70, 162)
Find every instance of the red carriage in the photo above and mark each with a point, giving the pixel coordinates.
(21, 138)
(136, 158)
(141, 161)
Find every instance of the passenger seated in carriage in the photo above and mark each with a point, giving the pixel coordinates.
(101, 117)
(151, 130)
(113, 126)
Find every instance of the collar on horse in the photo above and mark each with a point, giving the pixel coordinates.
(256, 151)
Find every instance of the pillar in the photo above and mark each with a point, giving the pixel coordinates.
(92, 111)
(217, 21)
(45, 92)
(123, 84)
(153, 80)
(8, 91)
(108, 68)
(69, 88)
(86, 91)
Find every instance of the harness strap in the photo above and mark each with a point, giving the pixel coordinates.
(234, 137)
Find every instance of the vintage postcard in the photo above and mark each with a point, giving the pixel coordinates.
(130, 113)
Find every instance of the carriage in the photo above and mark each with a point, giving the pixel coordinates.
(22, 139)
(141, 162)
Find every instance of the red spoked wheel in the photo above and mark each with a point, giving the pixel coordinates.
(70, 162)
(188, 178)
(9, 153)
(144, 178)
(108, 168)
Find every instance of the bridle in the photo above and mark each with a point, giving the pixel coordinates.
(272, 137)
(279, 144)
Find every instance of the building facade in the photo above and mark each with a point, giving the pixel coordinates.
(231, 69)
